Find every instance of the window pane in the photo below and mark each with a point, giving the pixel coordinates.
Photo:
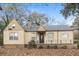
(33, 35)
(16, 34)
(64, 35)
(50, 36)
(13, 36)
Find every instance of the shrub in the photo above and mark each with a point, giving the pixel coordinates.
(41, 46)
(55, 47)
(64, 47)
(75, 42)
(48, 46)
(31, 44)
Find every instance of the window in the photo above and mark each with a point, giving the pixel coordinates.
(13, 36)
(33, 35)
(64, 35)
(50, 36)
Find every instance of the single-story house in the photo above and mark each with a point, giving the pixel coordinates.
(16, 36)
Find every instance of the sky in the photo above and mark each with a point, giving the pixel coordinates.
(52, 11)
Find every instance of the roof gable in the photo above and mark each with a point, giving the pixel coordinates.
(41, 28)
(14, 26)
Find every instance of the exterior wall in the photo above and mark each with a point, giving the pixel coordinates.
(68, 40)
(13, 43)
(54, 39)
(28, 37)
(25, 37)
(19, 41)
(17, 26)
(58, 38)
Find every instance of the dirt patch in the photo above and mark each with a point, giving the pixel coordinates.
(38, 52)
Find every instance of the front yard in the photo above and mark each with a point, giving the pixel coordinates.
(38, 52)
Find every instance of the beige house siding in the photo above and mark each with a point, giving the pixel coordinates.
(17, 29)
(28, 37)
(54, 39)
(57, 38)
(19, 41)
(68, 40)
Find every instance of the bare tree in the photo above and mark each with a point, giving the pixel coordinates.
(38, 19)
(11, 11)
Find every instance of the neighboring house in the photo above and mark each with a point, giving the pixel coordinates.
(16, 36)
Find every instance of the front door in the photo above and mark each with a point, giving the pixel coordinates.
(41, 37)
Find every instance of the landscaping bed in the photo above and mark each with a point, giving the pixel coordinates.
(38, 52)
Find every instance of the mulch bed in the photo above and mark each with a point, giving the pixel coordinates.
(38, 52)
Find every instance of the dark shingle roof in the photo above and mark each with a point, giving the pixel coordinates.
(50, 28)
